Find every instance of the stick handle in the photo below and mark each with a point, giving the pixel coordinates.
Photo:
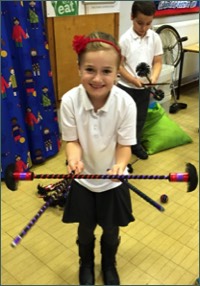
(158, 83)
(62, 187)
(179, 177)
(148, 78)
(145, 197)
(31, 223)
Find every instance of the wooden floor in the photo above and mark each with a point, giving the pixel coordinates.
(157, 249)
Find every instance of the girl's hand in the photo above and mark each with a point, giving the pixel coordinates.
(75, 166)
(116, 169)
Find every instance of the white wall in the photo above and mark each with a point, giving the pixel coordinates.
(186, 25)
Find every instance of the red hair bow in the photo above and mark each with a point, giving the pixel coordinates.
(79, 43)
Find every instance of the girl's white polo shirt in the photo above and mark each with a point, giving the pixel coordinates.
(98, 132)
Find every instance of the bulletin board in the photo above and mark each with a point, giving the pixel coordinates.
(60, 33)
(170, 8)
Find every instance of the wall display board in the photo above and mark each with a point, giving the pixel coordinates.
(170, 8)
(69, 8)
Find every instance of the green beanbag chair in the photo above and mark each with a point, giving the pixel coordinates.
(160, 132)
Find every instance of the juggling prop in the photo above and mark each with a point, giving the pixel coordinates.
(56, 194)
(143, 70)
(189, 176)
(164, 199)
(49, 191)
(130, 165)
(59, 191)
(144, 196)
(45, 193)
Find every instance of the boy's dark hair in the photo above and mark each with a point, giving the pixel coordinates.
(147, 8)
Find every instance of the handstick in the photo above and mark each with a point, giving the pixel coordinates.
(158, 83)
(62, 188)
(145, 197)
(19, 237)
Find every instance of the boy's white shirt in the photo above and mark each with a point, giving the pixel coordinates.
(136, 50)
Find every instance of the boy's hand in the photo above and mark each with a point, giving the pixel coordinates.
(138, 83)
(153, 80)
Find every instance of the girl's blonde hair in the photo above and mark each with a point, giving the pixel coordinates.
(108, 42)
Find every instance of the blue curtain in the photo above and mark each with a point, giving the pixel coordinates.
(29, 122)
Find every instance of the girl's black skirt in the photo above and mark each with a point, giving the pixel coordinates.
(107, 209)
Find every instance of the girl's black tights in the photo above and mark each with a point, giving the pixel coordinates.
(86, 234)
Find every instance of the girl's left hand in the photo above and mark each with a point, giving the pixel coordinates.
(116, 169)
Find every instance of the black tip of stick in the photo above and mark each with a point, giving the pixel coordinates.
(41, 190)
(9, 178)
(193, 177)
(143, 69)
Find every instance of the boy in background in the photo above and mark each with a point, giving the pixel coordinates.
(140, 44)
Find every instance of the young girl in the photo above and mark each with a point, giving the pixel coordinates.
(99, 126)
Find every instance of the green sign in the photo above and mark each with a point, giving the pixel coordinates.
(65, 8)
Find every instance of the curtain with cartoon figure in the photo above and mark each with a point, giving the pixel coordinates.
(29, 123)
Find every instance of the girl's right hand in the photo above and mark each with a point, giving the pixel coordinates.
(75, 166)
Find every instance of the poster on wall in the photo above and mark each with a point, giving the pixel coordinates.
(69, 8)
(170, 8)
